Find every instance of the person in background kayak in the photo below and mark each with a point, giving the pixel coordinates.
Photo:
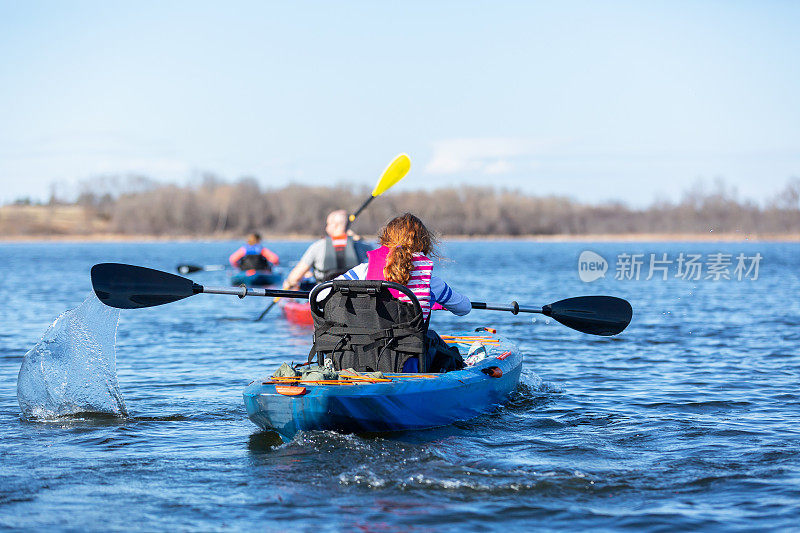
(404, 257)
(331, 256)
(253, 256)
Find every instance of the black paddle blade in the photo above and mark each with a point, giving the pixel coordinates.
(597, 315)
(130, 287)
(188, 269)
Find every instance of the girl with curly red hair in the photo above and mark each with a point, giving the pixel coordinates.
(404, 257)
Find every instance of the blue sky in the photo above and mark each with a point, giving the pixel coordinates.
(595, 100)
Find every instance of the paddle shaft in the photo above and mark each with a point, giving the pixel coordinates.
(352, 217)
(242, 291)
(267, 310)
(190, 268)
(396, 171)
(212, 268)
(513, 307)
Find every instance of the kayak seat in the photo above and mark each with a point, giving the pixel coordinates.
(361, 325)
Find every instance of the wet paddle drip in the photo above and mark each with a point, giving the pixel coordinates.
(72, 369)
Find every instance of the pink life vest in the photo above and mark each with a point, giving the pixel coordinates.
(419, 282)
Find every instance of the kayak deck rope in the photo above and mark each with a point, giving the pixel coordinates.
(347, 379)
(469, 340)
(316, 381)
(476, 337)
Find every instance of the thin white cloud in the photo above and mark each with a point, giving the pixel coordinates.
(167, 168)
(489, 156)
(500, 166)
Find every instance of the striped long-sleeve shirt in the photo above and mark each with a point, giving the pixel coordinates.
(441, 292)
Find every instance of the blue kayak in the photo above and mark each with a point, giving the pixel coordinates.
(400, 402)
(259, 278)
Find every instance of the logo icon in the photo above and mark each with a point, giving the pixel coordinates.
(591, 266)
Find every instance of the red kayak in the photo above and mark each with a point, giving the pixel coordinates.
(297, 312)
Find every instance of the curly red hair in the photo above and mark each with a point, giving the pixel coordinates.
(405, 235)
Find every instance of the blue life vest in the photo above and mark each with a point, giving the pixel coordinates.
(253, 249)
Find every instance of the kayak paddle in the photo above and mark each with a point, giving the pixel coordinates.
(131, 287)
(596, 315)
(393, 173)
(189, 268)
(396, 171)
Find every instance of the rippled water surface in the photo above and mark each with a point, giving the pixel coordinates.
(688, 420)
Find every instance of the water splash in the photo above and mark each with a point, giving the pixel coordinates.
(73, 368)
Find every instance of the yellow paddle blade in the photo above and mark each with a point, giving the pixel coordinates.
(396, 171)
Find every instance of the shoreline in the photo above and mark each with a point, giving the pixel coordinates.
(604, 237)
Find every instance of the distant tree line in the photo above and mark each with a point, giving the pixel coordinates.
(139, 206)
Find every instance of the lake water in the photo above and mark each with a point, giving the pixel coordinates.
(688, 420)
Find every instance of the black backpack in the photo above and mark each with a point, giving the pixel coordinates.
(360, 325)
(254, 262)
